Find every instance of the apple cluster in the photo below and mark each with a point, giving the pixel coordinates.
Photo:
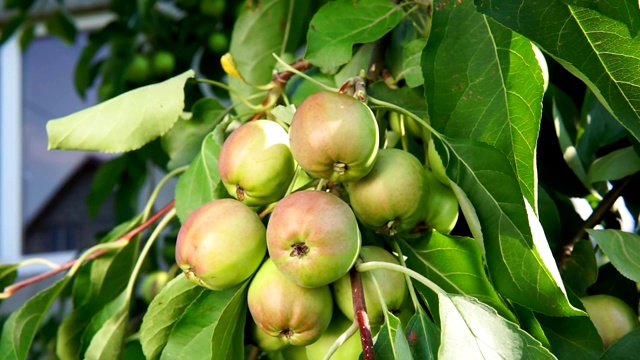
(300, 296)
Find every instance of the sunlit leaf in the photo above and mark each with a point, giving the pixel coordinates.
(574, 36)
(520, 263)
(201, 182)
(454, 264)
(164, 311)
(106, 329)
(622, 248)
(483, 82)
(621, 10)
(124, 123)
(338, 25)
(473, 330)
(20, 328)
(423, 336)
(208, 327)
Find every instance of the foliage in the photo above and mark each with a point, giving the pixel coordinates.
(530, 106)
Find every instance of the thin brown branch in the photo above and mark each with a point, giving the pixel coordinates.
(594, 219)
(360, 310)
(67, 265)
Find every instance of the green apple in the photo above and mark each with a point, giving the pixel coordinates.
(163, 63)
(350, 349)
(612, 317)
(139, 69)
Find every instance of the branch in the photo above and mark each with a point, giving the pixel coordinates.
(594, 219)
(360, 310)
(9, 290)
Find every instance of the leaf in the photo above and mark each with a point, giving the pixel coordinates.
(574, 36)
(624, 11)
(143, 114)
(163, 313)
(454, 264)
(20, 328)
(411, 56)
(359, 61)
(615, 165)
(60, 25)
(423, 336)
(105, 330)
(391, 342)
(208, 329)
(409, 99)
(518, 256)
(474, 330)
(27, 34)
(622, 248)
(626, 347)
(483, 82)
(108, 277)
(11, 25)
(258, 33)
(580, 269)
(338, 25)
(105, 180)
(201, 182)
(182, 143)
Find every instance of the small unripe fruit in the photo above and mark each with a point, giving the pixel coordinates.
(334, 137)
(163, 63)
(612, 317)
(441, 206)
(152, 284)
(392, 196)
(221, 244)
(139, 69)
(218, 42)
(392, 286)
(313, 238)
(436, 165)
(293, 314)
(350, 349)
(255, 163)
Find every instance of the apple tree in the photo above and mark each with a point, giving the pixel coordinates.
(355, 178)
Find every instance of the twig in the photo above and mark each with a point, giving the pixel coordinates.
(9, 290)
(593, 220)
(360, 310)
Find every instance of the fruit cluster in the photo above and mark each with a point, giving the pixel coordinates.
(312, 236)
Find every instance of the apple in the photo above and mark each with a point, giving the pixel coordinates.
(612, 317)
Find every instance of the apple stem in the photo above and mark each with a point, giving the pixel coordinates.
(594, 219)
(10, 290)
(360, 309)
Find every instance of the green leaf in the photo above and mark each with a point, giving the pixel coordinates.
(615, 165)
(182, 143)
(27, 34)
(8, 274)
(624, 11)
(529, 323)
(411, 57)
(11, 25)
(520, 262)
(571, 337)
(391, 342)
(338, 25)
(574, 36)
(105, 180)
(622, 248)
(454, 264)
(164, 311)
(60, 25)
(580, 269)
(627, 347)
(108, 277)
(483, 82)
(201, 182)
(20, 328)
(258, 33)
(208, 329)
(423, 336)
(104, 336)
(474, 330)
(359, 61)
(409, 99)
(124, 123)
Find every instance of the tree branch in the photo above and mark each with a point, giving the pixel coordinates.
(9, 290)
(360, 310)
(594, 219)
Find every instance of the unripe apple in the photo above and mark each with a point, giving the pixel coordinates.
(441, 207)
(392, 286)
(411, 127)
(221, 244)
(218, 42)
(350, 349)
(139, 69)
(334, 136)
(163, 63)
(152, 284)
(612, 317)
(313, 238)
(265, 341)
(293, 314)
(255, 163)
(392, 196)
